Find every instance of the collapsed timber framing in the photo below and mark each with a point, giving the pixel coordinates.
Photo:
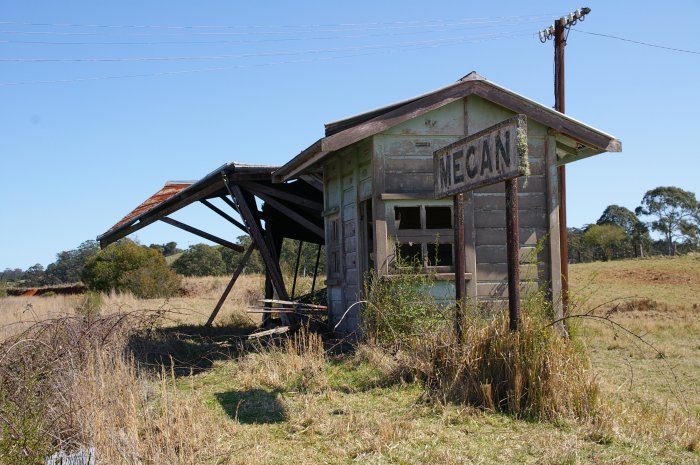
(289, 210)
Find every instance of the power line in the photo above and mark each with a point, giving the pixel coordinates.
(245, 66)
(252, 55)
(638, 42)
(246, 41)
(412, 23)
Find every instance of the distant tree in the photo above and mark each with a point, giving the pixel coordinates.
(200, 260)
(608, 238)
(34, 275)
(128, 266)
(675, 213)
(232, 258)
(636, 231)
(69, 264)
(579, 250)
(166, 249)
(11, 275)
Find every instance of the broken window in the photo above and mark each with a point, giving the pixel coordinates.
(421, 238)
(407, 217)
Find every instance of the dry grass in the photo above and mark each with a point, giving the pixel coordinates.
(291, 402)
(654, 392)
(201, 296)
(532, 373)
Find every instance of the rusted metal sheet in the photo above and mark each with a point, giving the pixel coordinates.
(170, 189)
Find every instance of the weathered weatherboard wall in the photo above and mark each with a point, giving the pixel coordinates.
(378, 196)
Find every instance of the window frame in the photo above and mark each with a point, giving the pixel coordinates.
(423, 236)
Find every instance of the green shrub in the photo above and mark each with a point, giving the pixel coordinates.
(400, 308)
(200, 260)
(127, 266)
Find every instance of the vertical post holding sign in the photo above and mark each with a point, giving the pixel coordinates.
(460, 262)
(496, 154)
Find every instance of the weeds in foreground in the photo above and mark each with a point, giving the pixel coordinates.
(69, 383)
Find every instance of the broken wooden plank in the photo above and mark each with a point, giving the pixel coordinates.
(289, 302)
(269, 332)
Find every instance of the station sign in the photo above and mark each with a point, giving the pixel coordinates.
(486, 157)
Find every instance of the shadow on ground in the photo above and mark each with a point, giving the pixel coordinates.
(187, 348)
(252, 406)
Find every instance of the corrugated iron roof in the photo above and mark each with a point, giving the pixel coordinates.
(170, 189)
(178, 194)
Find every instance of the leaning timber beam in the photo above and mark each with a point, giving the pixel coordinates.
(229, 202)
(246, 210)
(277, 205)
(224, 215)
(239, 270)
(205, 235)
(280, 194)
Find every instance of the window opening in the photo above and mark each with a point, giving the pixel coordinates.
(407, 217)
(409, 255)
(440, 254)
(438, 217)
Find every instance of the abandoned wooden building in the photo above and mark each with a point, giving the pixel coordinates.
(366, 191)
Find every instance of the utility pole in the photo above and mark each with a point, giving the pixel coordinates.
(559, 33)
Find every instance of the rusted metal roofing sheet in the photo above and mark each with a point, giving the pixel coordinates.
(176, 195)
(170, 189)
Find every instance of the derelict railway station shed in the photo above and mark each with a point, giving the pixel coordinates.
(371, 178)
(378, 186)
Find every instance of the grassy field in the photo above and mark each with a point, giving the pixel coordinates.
(293, 403)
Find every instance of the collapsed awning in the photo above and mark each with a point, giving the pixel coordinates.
(289, 210)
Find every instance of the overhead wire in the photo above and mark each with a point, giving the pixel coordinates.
(252, 65)
(638, 42)
(252, 41)
(247, 55)
(411, 23)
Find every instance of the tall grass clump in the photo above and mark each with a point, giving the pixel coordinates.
(71, 383)
(400, 309)
(532, 373)
(295, 362)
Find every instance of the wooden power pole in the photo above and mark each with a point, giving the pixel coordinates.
(559, 33)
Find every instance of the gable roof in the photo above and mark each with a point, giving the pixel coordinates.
(577, 140)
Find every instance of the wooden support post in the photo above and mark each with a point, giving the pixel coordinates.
(200, 233)
(239, 270)
(460, 262)
(296, 268)
(513, 247)
(269, 296)
(255, 229)
(318, 258)
(230, 203)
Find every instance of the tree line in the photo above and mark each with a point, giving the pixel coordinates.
(671, 212)
(154, 270)
(621, 233)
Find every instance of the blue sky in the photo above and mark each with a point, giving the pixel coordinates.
(102, 102)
